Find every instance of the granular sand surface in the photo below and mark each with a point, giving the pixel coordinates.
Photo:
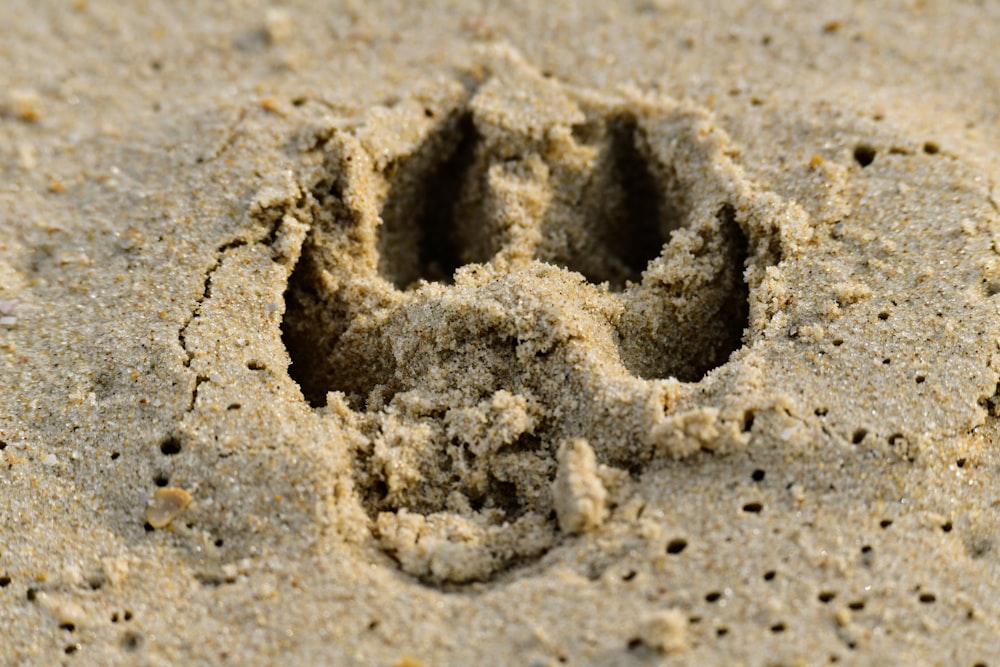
(569, 333)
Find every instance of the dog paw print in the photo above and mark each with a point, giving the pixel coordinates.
(499, 271)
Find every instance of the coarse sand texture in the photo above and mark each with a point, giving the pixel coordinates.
(384, 351)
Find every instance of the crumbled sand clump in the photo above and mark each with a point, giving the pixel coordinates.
(577, 491)
(666, 631)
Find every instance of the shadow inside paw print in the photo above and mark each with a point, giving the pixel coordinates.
(494, 271)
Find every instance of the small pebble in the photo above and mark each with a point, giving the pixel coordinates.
(26, 104)
(167, 503)
(407, 661)
(278, 24)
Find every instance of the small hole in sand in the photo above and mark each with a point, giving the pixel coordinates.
(770, 575)
(4, 581)
(931, 148)
(713, 596)
(161, 479)
(778, 628)
(233, 406)
(884, 315)
(837, 342)
(722, 632)
(68, 627)
(920, 379)
(676, 545)
(946, 526)
(859, 435)
(856, 605)
(979, 547)
(748, 418)
(634, 644)
(256, 365)
(131, 641)
(927, 598)
(115, 455)
(170, 447)
(753, 508)
(864, 154)
(826, 596)
(885, 523)
(757, 475)
(71, 649)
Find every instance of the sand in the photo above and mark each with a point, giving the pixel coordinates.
(371, 334)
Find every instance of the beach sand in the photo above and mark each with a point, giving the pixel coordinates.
(540, 334)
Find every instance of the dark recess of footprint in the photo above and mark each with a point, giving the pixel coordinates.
(416, 238)
(660, 340)
(628, 216)
(647, 218)
(310, 346)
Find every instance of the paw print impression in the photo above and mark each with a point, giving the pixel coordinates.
(500, 270)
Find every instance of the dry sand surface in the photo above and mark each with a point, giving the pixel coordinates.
(385, 333)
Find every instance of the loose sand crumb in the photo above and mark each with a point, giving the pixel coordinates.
(577, 491)
(665, 631)
(279, 25)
